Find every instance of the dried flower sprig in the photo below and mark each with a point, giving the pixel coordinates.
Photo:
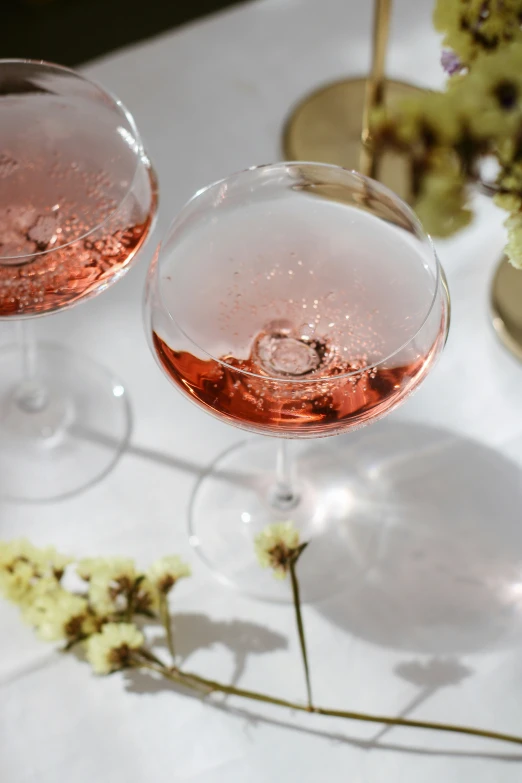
(164, 574)
(278, 547)
(448, 136)
(104, 615)
(113, 647)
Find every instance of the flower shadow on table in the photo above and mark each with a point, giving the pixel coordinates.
(242, 638)
(441, 573)
(429, 677)
(196, 631)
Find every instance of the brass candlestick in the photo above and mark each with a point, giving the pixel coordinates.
(332, 124)
(506, 306)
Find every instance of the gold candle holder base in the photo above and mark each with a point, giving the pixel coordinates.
(506, 298)
(327, 127)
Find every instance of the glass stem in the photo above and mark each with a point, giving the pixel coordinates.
(31, 395)
(285, 496)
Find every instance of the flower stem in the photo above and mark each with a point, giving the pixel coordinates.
(143, 652)
(165, 619)
(174, 674)
(300, 628)
(196, 682)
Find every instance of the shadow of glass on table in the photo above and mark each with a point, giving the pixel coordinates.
(173, 461)
(426, 551)
(444, 576)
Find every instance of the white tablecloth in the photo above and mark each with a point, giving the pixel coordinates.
(434, 632)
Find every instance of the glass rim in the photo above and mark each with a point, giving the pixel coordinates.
(439, 275)
(122, 109)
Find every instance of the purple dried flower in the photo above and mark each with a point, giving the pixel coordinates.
(450, 62)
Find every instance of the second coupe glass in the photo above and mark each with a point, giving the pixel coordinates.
(297, 300)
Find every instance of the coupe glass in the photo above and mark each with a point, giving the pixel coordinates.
(77, 200)
(296, 300)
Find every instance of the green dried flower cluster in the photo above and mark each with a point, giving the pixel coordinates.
(472, 27)
(448, 136)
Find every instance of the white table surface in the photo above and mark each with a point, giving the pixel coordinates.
(435, 630)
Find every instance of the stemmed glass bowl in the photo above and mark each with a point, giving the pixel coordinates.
(78, 197)
(296, 300)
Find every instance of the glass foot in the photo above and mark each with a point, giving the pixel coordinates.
(64, 431)
(233, 502)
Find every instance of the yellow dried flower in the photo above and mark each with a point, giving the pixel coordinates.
(44, 563)
(43, 586)
(91, 566)
(58, 614)
(111, 581)
(145, 599)
(441, 204)
(511, 202)
(49, 561)
(490, 96)
(166, 571)
(27, 572)
(16, 581)
(513, 248)
(18, 549)
(106, 596)
(112, 648)
(276, 546)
